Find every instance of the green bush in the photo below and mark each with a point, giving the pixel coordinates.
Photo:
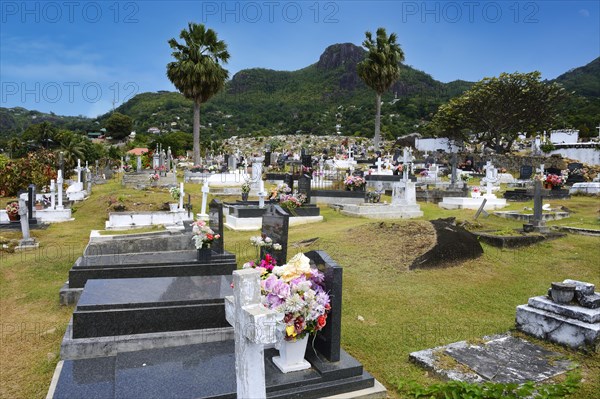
(36, 168)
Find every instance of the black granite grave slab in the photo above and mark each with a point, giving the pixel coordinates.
(215, 221)
(203, 371)
(253, 211)
(219, 265)
(328, 340)
(275, 225)
(146, 305)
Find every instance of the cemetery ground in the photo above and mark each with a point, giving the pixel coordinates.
(388, 311)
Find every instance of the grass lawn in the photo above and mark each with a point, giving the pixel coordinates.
(388, 311)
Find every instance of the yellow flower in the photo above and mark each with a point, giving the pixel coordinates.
(290, 331)
(296, 267)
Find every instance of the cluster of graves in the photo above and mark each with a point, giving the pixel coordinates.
(163, 170)
(150, 321)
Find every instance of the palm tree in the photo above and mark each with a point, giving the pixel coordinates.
(380, 69)
(73, 148)
(197, 72)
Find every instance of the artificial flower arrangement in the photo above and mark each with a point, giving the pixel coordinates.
(291, 201)
(175, 193)
(12, 208)
(161, 168)
(424, 173)
(246, 187)
(127, 168)
(555, 180)
(268, 262)
(278, 190)
(203, 234)
(354, 182)
(296, 291)
(154, 177)
(399, 167)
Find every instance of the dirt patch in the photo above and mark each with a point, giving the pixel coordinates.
(394, 243)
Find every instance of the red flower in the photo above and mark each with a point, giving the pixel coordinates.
(209, 236)
(321, 321)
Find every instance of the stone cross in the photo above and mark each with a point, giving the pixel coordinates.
(52, 194)
(59, 183)
(27, 240)
(350, 154)
(491, 176)
(254, 326)
(61, 161)
(169, 158)
(205, 191)
(379, 163)
(261, 194)
(539, 224)
(181, 195)
(78, 169)
(406, 163)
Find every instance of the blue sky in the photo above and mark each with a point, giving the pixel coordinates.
(76, 58)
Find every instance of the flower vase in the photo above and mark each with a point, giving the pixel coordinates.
(548, 186)
(173, 207)
(245, 197)
(291, 355)
(13, 217)
(204, 255)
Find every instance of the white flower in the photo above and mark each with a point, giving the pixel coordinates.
(268, 240)
(277, 247)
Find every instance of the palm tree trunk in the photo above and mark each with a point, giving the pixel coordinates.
(196, 130)
(377, 137)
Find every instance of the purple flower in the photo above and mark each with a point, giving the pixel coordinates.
(268, 283)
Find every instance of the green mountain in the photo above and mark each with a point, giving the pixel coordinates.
(319, 99)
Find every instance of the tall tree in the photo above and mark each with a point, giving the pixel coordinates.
(380, 69)
(496, 110)
(119, 126)
(197, 72)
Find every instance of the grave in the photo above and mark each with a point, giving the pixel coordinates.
(569, 315)
(136, 220)
(208, 370)
(144, 255)
(589, 188)
(475, 202)
(498, 359)
(404, 205)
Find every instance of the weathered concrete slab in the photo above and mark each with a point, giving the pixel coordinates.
(500, 358)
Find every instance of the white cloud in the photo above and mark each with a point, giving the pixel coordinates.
(584, 13)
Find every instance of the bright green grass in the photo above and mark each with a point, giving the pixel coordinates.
(402, 311)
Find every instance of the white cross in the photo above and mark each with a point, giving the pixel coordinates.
(254, 326)
(379, 163)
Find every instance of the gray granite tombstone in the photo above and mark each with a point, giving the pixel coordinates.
(215, 222)
(267, 161)
(304, 183)
(31, 195)
(328, 340)
(275, 225)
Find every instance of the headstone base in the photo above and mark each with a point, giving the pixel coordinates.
(472, 203)
(382, 211)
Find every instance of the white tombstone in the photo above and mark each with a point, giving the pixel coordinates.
(181, 195)
(410, 193)
(52, 194)
(257, 169)
(379, 163)
(491, 177)
(397, 194)
(254, 326)
(205, 190)
(261, 194)
(78, 170)
(59, 183)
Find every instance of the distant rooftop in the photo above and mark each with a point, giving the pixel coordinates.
(137, 151)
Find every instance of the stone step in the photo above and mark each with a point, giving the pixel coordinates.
(199, 371)
(149, 305)
(573, 312)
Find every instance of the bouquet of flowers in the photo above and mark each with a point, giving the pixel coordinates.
(295, 290)
(354, 182)
(291, 201)
(127, 168)
(196, 168)
(476, 190)
(424, 173)
(555, 180)
(267, 262)
(246, 187)
(175, 193)
(154, 177)
(12, 208)
(280, 189)
(203, 234)
(465, 177)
